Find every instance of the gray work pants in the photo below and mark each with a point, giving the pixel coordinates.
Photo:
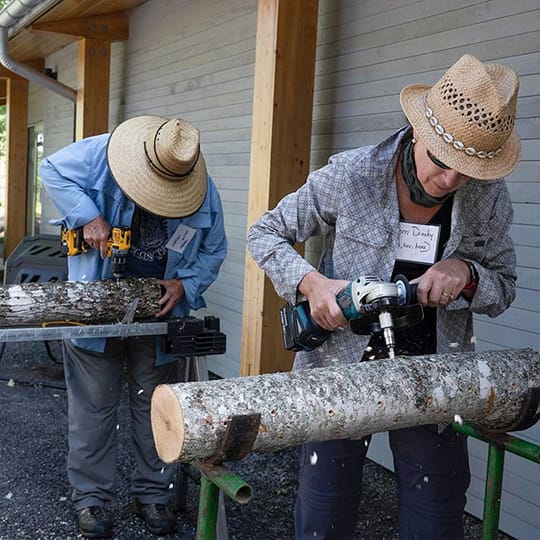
(94, 389)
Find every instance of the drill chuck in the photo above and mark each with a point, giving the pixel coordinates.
(387, 325)
(118, 262)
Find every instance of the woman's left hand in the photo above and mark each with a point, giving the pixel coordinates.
(174, 292)
(442, 283)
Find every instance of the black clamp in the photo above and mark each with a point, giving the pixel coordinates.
(190, 336)
(240, 434)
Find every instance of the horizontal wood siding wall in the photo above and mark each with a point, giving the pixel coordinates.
(196, 60)
(368, 51)
(59, 113)
(58, 122)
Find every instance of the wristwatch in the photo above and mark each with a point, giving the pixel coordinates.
(473, 282)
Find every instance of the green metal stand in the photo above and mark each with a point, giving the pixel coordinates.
(216, 479)
(498, 445)
(213, 479)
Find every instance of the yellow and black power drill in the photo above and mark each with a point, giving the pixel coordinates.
(118, 244)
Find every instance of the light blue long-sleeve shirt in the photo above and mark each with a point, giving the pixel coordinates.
(82, 188)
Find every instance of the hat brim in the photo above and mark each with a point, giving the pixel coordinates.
(412, 99)
(141, 183)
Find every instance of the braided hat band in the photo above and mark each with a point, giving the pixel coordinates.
(158, 164)
(467, 118)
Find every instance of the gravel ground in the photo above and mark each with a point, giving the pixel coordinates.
(35, 494)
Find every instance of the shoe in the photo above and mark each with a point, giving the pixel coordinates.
(159, 517)
(95, 522)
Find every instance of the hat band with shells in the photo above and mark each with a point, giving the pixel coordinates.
(154, 161)
(450, 139)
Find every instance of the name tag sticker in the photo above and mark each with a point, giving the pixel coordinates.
(181, 238)
(418, 243)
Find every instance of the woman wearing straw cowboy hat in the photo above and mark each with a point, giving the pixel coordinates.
(439, 180)
(149, 175)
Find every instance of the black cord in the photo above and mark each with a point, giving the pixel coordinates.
(50, 354)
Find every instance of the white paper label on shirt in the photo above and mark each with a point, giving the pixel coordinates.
(418, 243)
(181, 238)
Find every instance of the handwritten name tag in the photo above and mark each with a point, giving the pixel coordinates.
(418, 243)
(181, 238)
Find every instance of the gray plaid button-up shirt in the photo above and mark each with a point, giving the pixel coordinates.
(352, 204)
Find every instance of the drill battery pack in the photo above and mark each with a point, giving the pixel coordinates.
(300, 332)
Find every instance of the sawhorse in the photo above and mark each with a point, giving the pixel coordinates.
(213, 477)
(195, 368)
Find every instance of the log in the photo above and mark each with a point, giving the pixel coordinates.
(494, 390)
(86, 302)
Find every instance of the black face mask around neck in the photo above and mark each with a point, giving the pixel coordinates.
(416, 189)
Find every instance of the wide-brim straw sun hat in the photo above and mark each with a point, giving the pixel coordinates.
(158, 164)
(467, 118)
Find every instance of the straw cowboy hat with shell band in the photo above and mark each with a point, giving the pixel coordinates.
(467, 118)
(158, 164)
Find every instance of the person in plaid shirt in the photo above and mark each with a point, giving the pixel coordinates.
(438, 181)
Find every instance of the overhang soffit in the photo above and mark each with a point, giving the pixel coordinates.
(110, 27)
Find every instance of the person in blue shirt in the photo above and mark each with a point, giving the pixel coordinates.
(149, 174)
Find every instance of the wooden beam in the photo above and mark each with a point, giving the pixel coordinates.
(38, 65)
(280, 152)
(16, 181)
(111, 27)
(93, 65)
(5, 73)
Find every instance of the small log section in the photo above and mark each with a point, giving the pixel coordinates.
(490, 389)
(86, 302)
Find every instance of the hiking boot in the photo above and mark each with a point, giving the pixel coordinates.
(159, 517)
(95, 522)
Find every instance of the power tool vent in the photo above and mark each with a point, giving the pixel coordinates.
(190, 336)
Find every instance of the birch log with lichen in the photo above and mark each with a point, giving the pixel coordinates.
(491, 389)
(87, 302)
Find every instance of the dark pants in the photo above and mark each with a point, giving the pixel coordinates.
(94, 390)
(432, 472)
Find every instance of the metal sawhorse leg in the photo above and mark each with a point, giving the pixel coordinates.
(196, 369)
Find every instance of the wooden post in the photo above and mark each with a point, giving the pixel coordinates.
(496, 390)
(280, 153)
(3, 92)
(16, 170)
(93, 65)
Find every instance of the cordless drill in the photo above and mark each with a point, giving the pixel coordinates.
(369, 304)
(118, 244)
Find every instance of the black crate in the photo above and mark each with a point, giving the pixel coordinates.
(36, 258)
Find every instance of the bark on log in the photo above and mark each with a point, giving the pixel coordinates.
(87, 302)
(489, 389)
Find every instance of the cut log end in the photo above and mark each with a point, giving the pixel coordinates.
(167, 424)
